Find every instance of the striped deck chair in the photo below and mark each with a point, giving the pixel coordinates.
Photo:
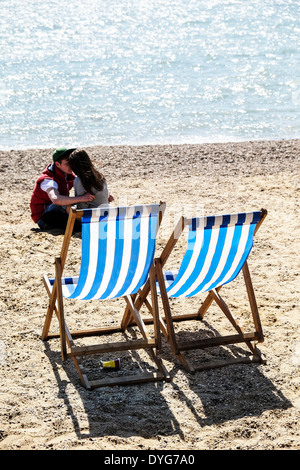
(217, 250)
(118, 245)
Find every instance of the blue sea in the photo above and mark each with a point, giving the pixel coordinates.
(114, 72)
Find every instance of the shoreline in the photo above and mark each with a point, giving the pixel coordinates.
(238, 157)
(155, 144)
(246, 407)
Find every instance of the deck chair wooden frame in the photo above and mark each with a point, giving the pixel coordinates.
(179, 349)
(67, 338)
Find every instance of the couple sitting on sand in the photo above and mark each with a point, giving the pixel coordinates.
(50, 201)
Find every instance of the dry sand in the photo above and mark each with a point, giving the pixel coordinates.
(42, 403)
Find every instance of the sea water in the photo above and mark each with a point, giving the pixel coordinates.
(111, 72)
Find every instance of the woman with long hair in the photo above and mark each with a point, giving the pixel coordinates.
(88, 180)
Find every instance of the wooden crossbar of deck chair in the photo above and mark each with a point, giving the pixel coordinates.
(118, 246)
(217, 250)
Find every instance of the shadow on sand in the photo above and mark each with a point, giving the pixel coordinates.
(222, 395)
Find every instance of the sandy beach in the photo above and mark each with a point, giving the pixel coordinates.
(243, 407)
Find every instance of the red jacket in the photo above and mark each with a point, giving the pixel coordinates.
(40, 199)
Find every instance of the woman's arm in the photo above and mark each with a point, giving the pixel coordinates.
(60, 200)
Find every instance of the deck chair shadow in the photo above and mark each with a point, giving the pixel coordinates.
(118, 246)
(217, 250)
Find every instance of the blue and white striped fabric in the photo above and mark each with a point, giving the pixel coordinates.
(218, 246)
(118, 245)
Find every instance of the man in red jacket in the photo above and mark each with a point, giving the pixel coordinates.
(50, 201)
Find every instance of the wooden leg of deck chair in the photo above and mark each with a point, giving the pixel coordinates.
(252, 301)
(157, 320)
(63, 254)
(141, 325)
(166, 307)
(49, 314)
(207, 303)
(139, 300)
(169, 321)
(254, 310)
(127, 317)
(142, 299)
(61, 318)
(223, 306)
(152, 278)
(139, 322)
(70, 342)
(247, 338)
(162, 323)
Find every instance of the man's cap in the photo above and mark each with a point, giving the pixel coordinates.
(61, 153)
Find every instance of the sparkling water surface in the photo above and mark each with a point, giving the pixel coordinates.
(112, 72)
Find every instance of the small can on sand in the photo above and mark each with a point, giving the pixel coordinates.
(115, 364)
